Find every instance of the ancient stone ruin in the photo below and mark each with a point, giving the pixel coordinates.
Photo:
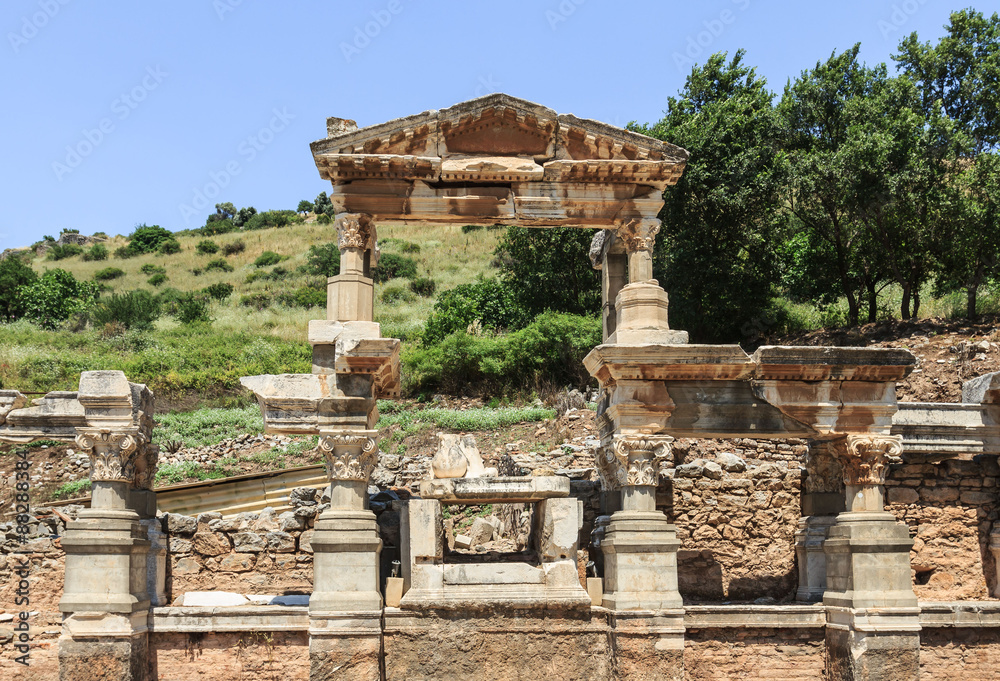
(442, 614)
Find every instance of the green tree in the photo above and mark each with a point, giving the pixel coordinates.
(304, 206)
(56, 295)
(243, 216)
(322, 205)
(147, 239)
(223, 211)
(323, 260)
(14, 273)
(716, 253)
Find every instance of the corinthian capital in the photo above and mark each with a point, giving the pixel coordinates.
(633, 460)
(112, 452)
(638, 235)
(350, 455)
(866, 458)
(355, 230)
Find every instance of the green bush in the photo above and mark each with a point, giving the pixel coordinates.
(206, 247)
(233, 248)
(148, 239)
(223, 226)
(191, 308)
(63, 251)
(271, 218)
(258, 301)
(96, 252)
(133, 310)
(219, 291)
(124, 253)
(266, 259)
(14, 273)
(150, 268)
(324, 219)
(156, 279)
(396, 294)
(423, 286)
(549, 351)
(109, 273)
(323, 260)
(55, 296)
(489, 302)
(169, 247)
(392, 266)
(306, 297)
(218, 264)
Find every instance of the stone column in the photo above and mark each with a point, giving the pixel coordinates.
(873, 620)
(822, 500)
(143, 502)
(105, 600)
(641, 306)
(607, 255)
(345, 606)
(350, 294)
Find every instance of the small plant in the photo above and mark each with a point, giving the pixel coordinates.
(109, 273)
(266, 259)
(219, 291)
(258, 301)
(396, 294)
(207, 247)
(233, 248)
(133, 310)
(170, 247)
(150, 269)
(157, 279)
(423, 286)
(71, 489)
(392, 266)
(218, 264)
(96, 252)
(306, 297)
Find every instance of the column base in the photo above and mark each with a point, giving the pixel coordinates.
(640, 562)
(346, 549)
(868, 562)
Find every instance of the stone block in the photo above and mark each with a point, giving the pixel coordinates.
(249, 542)
(463, 541)
(305, 541)
(180, 546)
(210, 543)
(290, 522)
(978, 498)
(557, 527)
(181, 524)
(280, 542)
(215, 599)
(238, 562)
(393, 591)
(595, 589)
(186, 566)
(480, 532)
(206, 518)
(939, 495)
(902, 495)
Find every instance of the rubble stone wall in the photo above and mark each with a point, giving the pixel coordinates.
(754, 654)
(968, 654)
(260, 656)
(950, 508)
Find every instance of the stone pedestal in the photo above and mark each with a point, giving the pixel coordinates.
(809, 551)
(640, 562)
(648, 645)
(346, 549)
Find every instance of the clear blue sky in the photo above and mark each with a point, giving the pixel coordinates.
(190, 89)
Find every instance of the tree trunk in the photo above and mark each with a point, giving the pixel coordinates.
(904, 307)
(872, 303)
(853, 309)
(971, 292)
(916, 304)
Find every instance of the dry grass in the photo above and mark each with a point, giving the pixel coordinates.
(446, 255)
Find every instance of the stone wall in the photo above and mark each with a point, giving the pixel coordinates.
(950, 508)
(260, 656)
(725, 654)
(970, 654)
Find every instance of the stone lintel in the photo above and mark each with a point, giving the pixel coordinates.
(495, 490)
(754, 616)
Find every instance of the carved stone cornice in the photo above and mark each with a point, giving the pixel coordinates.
(356, 230)
(633, 460)
(112, 452)
(865, 458)
(349, 455)
(638, 235)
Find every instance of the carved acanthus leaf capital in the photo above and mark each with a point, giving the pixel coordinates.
(356, 230)
(350, 455)
(866, 458)
(112, 452)
(634, 460)
(638, 235)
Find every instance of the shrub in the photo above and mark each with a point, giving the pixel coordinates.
(96, 252)
(150, 268)
(324, 219)
(396, 294)
(191, 308)
(133, 310)
(54, 296)
(423, 286)
(243, 216)
(271, 218)
(156, 279)
(487, 301)
(170, 247)
(148, 239)
(258, 301)
(404, 246)
(233, 248)
(219, 291)
(266, 259)
(207, 247)
(14, 273)
(392, 266)
(215, 227)
(109, 273)
(323, 260)
(63, 251)
(124, 253)
(305, 297)
(168, 298)
(218, 264)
